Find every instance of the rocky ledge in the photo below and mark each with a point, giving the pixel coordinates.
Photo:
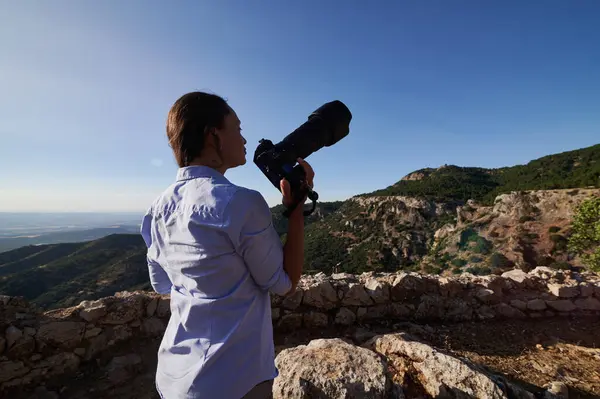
(386, 366)
(38, 346)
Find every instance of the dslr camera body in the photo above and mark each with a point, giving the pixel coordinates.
(325, 126)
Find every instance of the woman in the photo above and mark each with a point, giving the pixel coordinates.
(212, 247)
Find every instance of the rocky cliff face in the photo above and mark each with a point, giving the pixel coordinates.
(520, 230)
(54, 348)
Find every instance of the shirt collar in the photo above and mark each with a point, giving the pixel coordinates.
(199, 171)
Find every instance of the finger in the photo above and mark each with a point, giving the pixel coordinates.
(285, 188)
(308, 170)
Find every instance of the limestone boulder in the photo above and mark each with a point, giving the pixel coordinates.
(330, 368)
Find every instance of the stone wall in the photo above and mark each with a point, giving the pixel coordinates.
(38, 346)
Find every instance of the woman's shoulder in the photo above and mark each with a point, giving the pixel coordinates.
(240, 196)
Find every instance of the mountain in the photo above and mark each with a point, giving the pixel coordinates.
(444, 221)
(571, 169)
(64, 274)
(75, 235)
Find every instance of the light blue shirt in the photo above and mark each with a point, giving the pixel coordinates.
(212, 247)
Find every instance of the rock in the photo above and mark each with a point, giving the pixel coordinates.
(330, 368)
(458, 310)
(59, 364)
(343, 276)
(557, 390)
(399, 310)
(121, 333)
(544, 272)
(356, 296)
(13, 334)
(379, 291)
(315, 320)
(518, 276)
(485, 312)
(486, 295)
(96, 345)
(92, 310)
(450, 288)
(294, 300)
(518, 304)
(23, 347)
(321, 295)
(29, 331)
(372, 312)
(123, 368)
(151, 307)
(275, 312)
(564, 291)
(588, 304)
(2, 344)
(92, 332)
(407, 287)
(345, 317)
(586, 289)
(508, 311)
(361, 335)
(164, 307)
(536, 304)
(42, 393)
(431, 307)
(153, 326)
(10, 370)
(563, 305)
(290, 321)
(439, 374)
(79, 352)
(67, 334)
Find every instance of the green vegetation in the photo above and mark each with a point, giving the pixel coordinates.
(572, 169)
(64, 274)
(585, 238)
(499, 261)
(470, 239)
(479, 271)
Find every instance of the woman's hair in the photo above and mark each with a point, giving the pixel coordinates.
(189, 119)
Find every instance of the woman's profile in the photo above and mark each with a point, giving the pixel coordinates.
(212, 247)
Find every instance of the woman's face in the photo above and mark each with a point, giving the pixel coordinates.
(233, 144)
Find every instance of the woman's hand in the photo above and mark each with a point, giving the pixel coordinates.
(286, 191)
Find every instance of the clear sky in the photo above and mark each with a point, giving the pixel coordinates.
(85, 87)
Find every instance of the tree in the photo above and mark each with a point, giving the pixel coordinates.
(585, 240)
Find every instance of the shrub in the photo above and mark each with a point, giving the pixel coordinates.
(479, 271)
(585, 240)
(560, 265)
(498, 260)
(458, 262)
(560, 242)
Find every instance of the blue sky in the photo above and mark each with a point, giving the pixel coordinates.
(85, 87)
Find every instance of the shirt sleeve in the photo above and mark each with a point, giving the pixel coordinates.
(159, 279)
(249, 224)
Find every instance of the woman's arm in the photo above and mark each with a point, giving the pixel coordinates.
(293, 251)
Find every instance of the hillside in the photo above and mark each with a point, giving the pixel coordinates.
(571, 169)
(65, 274)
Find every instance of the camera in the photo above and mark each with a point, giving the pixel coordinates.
(327, 125)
